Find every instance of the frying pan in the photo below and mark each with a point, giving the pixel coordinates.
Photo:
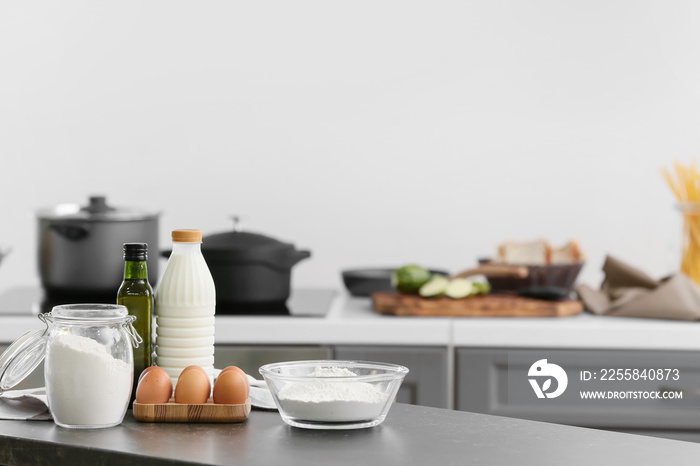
(364, 282)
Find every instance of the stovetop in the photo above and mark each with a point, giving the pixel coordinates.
(303, 302)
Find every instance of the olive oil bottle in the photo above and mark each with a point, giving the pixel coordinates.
(137, 295)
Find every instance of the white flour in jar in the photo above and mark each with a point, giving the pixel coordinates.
(325, 401)
(85, 384)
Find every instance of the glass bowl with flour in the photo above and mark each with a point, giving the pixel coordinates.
(331, 394)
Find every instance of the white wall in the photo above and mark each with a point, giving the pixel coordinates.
(371, 132)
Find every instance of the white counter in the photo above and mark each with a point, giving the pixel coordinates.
(582, 331)
(351, 321)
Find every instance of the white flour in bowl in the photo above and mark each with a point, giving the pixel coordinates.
(325, 401)
(85, 385)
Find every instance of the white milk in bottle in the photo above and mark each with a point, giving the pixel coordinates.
(185, 308)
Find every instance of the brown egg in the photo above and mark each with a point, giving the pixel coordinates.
(231, 388)
(145, 371)
(194, 367)
(154, 386)
(193, 386)
(239, 370)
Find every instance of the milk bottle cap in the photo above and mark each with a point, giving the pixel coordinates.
(187, 236)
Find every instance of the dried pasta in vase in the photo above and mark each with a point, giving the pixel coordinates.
(685, 184)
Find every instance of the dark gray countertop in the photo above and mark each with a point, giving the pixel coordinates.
(411, 435)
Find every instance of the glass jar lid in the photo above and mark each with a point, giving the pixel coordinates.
(88, 313)
(22, 357)
(94, 315)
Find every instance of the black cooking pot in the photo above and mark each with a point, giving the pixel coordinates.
(249, 267)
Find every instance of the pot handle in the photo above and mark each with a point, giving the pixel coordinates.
(496, 270)
(296, 256)
(72, 232)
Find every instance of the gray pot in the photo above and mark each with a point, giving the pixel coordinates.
(81, 248)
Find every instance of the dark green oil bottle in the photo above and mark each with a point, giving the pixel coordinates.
(137, 295)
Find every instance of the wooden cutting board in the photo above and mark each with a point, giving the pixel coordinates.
(478, 306)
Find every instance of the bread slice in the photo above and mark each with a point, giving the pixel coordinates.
(535, 252)
(567, 254)
(539, 252)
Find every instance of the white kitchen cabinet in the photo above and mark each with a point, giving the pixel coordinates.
(427, 381)
(495, 381)
(251, 357)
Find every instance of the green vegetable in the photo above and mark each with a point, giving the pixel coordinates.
(410, 278)
(459, 288)
(435, 287)
(482, 287)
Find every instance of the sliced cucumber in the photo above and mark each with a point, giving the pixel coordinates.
(459, 288)
(435, 287)
(482, 287)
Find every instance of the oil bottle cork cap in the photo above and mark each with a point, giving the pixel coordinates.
(187, 236)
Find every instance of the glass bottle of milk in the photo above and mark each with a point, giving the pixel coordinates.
(185, 308)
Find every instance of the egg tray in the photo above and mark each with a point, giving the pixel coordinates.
(181, 412)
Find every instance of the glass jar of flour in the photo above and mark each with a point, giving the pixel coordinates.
(89, 364)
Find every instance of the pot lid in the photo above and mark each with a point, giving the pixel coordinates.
(97, 209)
(242, 242)
(237, 246)
(22, 357)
